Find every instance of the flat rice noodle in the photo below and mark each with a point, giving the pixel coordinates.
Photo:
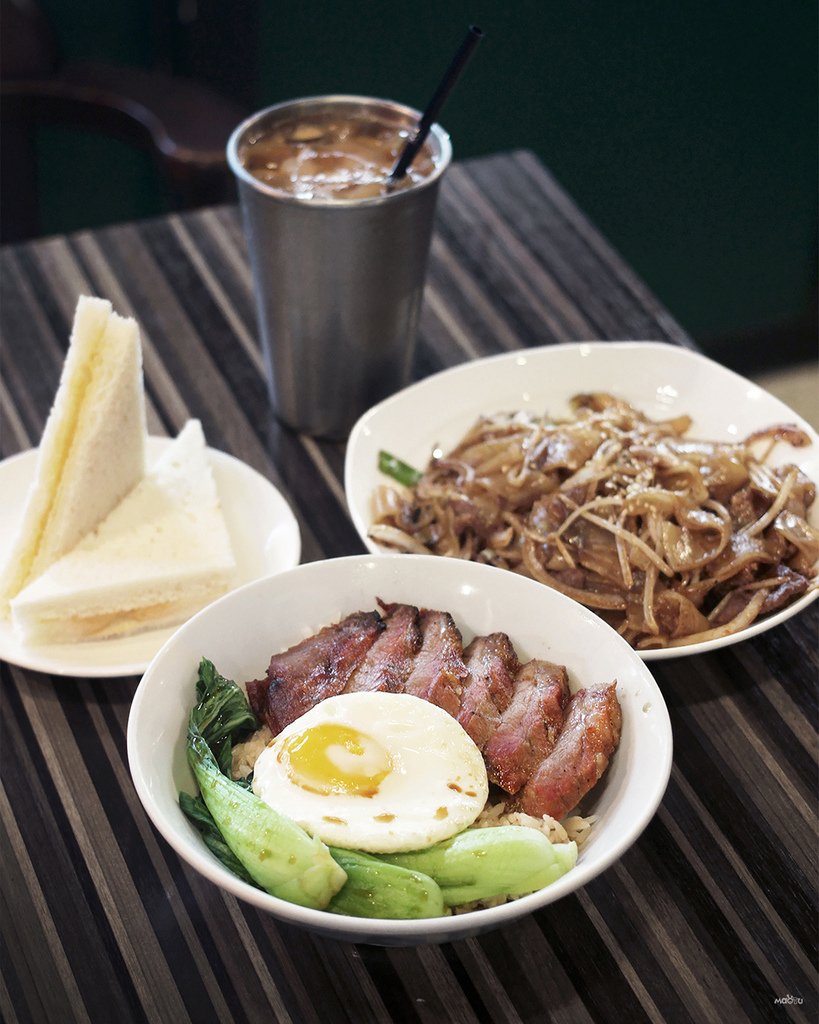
(527, 488)
(444, 478)
(501, 539)
(684, 478)
(639, 615)
(726, 475)
(498, 462)
(387, 501)
(805, 538)
(679, 425)
(652, 500)
(635, 619)
(677, 616)
(599, 401)
(570, 447)
(776, 506)
(698, 518)
(595, 467)
(802, 494)
(596, 600)
(473, 454)
(442, 536)
(696, 591)
(595, 549)
(764, 481)
(741, 552)
(686, 549)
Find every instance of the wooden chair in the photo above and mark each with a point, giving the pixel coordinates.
(184, 125)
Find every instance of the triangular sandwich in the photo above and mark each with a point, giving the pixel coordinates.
(92, 452)
(160, 556)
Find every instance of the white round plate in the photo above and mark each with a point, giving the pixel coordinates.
(263, 532)
(241, 631)
(658, 379)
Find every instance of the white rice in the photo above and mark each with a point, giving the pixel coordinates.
(245, 754)
(573, 827)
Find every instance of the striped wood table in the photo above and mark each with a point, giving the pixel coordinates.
(710, 917)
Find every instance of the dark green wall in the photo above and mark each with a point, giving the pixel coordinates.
(687, 130)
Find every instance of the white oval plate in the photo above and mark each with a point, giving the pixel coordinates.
(241, 631)
(263, 532)
(658, 379)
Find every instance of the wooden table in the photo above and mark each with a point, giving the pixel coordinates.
(710, 916)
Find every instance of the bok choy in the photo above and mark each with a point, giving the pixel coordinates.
(275, 852)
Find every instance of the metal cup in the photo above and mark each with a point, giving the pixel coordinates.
(338, 283)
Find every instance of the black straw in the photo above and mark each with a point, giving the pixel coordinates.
(428, 118)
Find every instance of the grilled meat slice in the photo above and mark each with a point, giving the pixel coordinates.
(541, 745)
(581, 755)
(492, 664)
(529, 727)
(312, 670)
(439, 672)
(389, 661)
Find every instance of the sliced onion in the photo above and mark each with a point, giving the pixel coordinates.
(741, 621)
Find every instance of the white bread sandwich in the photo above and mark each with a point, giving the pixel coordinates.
(92, 451)
(161, 555)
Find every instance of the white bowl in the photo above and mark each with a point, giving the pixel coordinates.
(659, 380)
(240, 632)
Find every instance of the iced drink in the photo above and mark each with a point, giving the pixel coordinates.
(338, 253)
(330, 157)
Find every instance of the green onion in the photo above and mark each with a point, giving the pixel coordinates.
(398, 470)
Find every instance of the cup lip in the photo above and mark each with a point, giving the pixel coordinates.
(244, 176)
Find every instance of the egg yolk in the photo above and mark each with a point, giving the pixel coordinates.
(330, 758)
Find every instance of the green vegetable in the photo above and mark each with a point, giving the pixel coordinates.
(222, 713)
(377, 889)
(398, 470)
(480, 863)
(275, 852)
(197, 813)
(272, 852)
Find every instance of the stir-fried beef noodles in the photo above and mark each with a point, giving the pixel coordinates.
(672, 541)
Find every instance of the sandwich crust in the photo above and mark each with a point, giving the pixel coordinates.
(92, 452)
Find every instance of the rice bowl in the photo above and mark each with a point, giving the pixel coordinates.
(240, 632)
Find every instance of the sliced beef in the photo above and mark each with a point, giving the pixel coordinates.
(492, 665)
(581, 755)
(439, 672)
(388, 663)
(318, 667)
(791, 584)
(529, 727)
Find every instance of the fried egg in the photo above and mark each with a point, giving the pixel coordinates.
(372, 771)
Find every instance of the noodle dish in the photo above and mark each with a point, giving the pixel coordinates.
(683, 522)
